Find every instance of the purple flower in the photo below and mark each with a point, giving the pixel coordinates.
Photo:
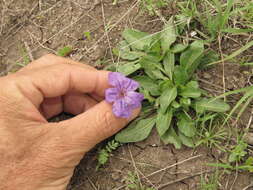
(123, 95)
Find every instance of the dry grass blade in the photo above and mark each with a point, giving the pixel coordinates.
(173, 165)
(184, 178)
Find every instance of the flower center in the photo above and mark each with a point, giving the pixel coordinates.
(122, 94)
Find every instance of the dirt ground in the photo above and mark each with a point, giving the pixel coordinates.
(44, 26)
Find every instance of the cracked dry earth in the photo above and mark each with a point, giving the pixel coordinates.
(43, 26)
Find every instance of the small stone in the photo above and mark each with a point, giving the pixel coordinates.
(115, 176)
(193, 33)
(248, 138)
(207, 76)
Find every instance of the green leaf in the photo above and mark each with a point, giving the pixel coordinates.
(147, 95)
(168, 36)
(168, 96)
(175, 105)
(186, 125)
(191, 90)
(163, 121)
(215, 105)
(169, 63)
(129, 68)
(65, 51)
(208, 57)
(193, 84)
(190, 58)
(123, 51)
(136, 132)
(187, 141)
(249, 161)
(185, 101)
(171, 137)
(148, 84)
(180, 76)
(178, 48)
(164, 84)
(152, 67)
(137, 39)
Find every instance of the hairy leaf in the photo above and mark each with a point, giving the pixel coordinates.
(168, 96)
(124, 52)
(215, 105)
(187, 141)
(190, 58)
(171, 137)
(178, 48)
(163, 121)
(191, 90)
(137, 39)
(168, 36)
(168, 63)
(180, 75)
(152, 67)
(186, 125)
(148, 84)
(129, 68)
(136, 131)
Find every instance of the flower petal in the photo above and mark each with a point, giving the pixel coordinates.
(111, 94)
(130, 85)
(116, 79)
(134, 99)
(121, 109)
(121, 82)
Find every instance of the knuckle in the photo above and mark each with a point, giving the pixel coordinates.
(106, 123)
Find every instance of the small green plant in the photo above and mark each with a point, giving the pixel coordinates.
(165, 70)
(87, 35)
(65, 51)
(215, 16)
(210, 131)
(133, 183)
(104, 154)
(237, 158)
(211, 182)
(25, 57)
(152, 5)
(238, 152)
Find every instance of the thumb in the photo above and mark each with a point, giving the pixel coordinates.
(94, 125)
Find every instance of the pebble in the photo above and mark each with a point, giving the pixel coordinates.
(207, 76)
(249, 138)
(115, 176)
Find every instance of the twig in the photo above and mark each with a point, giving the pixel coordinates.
(41, 44)
(106, 30)
(28, 50)
(134, 165)
(236, 176)
(223, 66)
(113, 26)
(184, 178)
(92, 184)
(40, 5)
(248, 186)
(170, 166)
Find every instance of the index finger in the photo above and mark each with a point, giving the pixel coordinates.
(58, 79)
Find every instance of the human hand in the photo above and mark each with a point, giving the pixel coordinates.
(35, 154)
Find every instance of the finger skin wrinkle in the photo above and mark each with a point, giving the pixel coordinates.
(96, 82)
(26, 87)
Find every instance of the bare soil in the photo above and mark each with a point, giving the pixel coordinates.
(40, 27)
